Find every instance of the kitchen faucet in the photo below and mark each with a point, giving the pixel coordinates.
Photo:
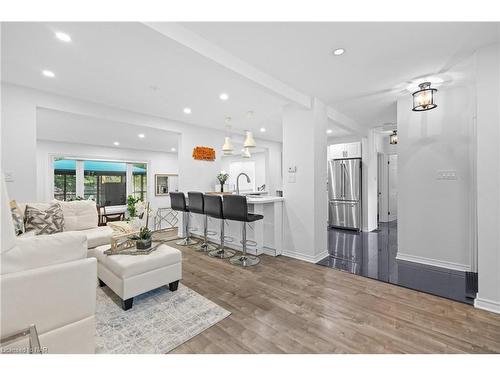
(238, 181)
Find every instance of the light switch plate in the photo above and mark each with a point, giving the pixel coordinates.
(447, 175)
(9, 177)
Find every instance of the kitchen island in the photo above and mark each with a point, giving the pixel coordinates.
(266, 233)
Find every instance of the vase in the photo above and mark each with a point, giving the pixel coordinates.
(222, 188)
(143, 244)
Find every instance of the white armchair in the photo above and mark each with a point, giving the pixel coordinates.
(47, 281)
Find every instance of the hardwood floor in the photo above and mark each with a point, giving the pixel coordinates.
(285, 305)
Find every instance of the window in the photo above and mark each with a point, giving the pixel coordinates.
(105, 182)
(139, 178)
(64, 179)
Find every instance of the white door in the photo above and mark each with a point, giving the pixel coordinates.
(393, 187)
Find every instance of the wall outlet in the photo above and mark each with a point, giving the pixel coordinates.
(446, 175)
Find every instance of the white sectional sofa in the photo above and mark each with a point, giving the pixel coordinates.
(47, 281)
(81, 217)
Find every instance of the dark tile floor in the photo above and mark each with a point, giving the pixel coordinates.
(373, 254)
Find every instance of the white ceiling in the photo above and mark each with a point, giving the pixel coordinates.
(118, 64)
(380, 58)
(131, 66)
(69, 127)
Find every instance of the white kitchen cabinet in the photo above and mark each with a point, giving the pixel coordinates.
(344, 150)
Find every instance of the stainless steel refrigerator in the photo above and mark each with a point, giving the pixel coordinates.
(344, 193)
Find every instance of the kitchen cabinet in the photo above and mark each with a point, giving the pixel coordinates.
(344, 150)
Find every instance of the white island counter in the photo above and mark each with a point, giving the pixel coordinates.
(267, 233)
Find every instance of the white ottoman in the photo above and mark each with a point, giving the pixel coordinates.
(131, 275)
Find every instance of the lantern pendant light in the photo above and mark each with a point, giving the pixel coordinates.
(423, 99)
(393, 138)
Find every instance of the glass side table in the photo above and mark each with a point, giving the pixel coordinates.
(165, 218)
(34, 342)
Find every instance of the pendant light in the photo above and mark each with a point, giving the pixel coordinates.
(245, 153)
(227, 147)
(393, 138)
(249, 140)
(423, 99)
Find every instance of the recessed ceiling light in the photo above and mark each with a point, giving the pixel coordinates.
(116, 143)
(224, 96)
(48, 73)
(263, 130)
(329, 131)
(187, 110)
(173, 149)
(63, 37)
(338, 51)
(141, 135)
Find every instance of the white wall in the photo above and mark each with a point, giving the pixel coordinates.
(19, 106)
(488, 177)
(370, 182)
(435, 218)
(261, 168)
(305, 208)
(158, 162)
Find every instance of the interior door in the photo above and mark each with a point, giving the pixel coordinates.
(352, 179)
(393, 187)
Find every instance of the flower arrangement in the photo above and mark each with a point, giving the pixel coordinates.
(222, 177)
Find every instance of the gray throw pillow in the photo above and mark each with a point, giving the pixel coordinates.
(47, 221)
(17, 218)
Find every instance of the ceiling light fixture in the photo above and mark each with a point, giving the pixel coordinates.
(187, 110)
(263, 130)
(224, 96)
(141, 135)
(63, 37)
(48, 73)
(227, 147)
(423, 99)
(116, 143)
(245, 153)
(339, 51)
(249, 140)
(329, 131)
(393, 138)
(173, 149)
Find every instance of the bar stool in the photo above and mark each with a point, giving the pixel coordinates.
(236, 208)
(178, 203)
(197, 206)
(213, 208)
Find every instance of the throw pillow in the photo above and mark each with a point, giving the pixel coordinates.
(47, 221)
(17, 218)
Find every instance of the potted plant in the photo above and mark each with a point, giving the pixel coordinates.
(222, 177)
(143, 239)
(131, 202)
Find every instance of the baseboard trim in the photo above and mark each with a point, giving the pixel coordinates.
(433, 262)
(488, 305)
(306, 258)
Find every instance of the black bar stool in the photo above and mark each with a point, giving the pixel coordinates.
(236, 208)
(197, 206)
(213, 208)
(178, 203)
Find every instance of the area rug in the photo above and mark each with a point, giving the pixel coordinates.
(158, 322)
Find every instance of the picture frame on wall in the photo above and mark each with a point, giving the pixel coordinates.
(165, 183)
